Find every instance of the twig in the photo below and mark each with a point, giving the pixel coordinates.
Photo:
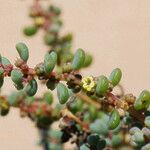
(137, 115)
(88, 100)
(66, 112)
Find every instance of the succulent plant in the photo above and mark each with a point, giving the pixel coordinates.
(90, 115)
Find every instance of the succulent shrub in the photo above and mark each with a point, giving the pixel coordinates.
(89, 114)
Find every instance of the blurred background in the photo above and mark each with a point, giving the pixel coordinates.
(116, 32)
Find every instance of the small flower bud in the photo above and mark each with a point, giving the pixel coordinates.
(88, 83)
(39, 69)
(121, 112)
(67, 68)
(39, 21)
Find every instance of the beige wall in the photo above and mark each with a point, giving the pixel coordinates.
(117, 32)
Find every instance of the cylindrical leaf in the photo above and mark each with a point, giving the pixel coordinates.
(15, 97)
(5, 61)
(115, 76)
(31, 88)
(88, 60)
(55, 9)
(143, 100)
(23, 51)
(49, 39)
(62, 93)
(16, 76)
(101, 144)
(116, 140)
(30, 30)
(102, 85)
(50, 61)
(78, 59)
(145, 96)
(114, 120)
(138, 104)
(51, 84)
(48, 97)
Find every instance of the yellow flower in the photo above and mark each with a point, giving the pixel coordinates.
(88, 83)
(39, 21)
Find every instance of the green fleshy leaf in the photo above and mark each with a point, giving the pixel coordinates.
(50, 61)
(62, 93)
(48, 97)
(78, 59)
(143, 100)
(116, 140)
(31, 88)
(93, 139)
(55, 9)
(49, 38)
(101, 144)
(88, 60)
(30, 30)
(99, 126)
(115, 76)
(102, 85)
(5, 61)
(114, 120)
(51, 84)
(17, 76)
(15, 97)
(23, 51)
